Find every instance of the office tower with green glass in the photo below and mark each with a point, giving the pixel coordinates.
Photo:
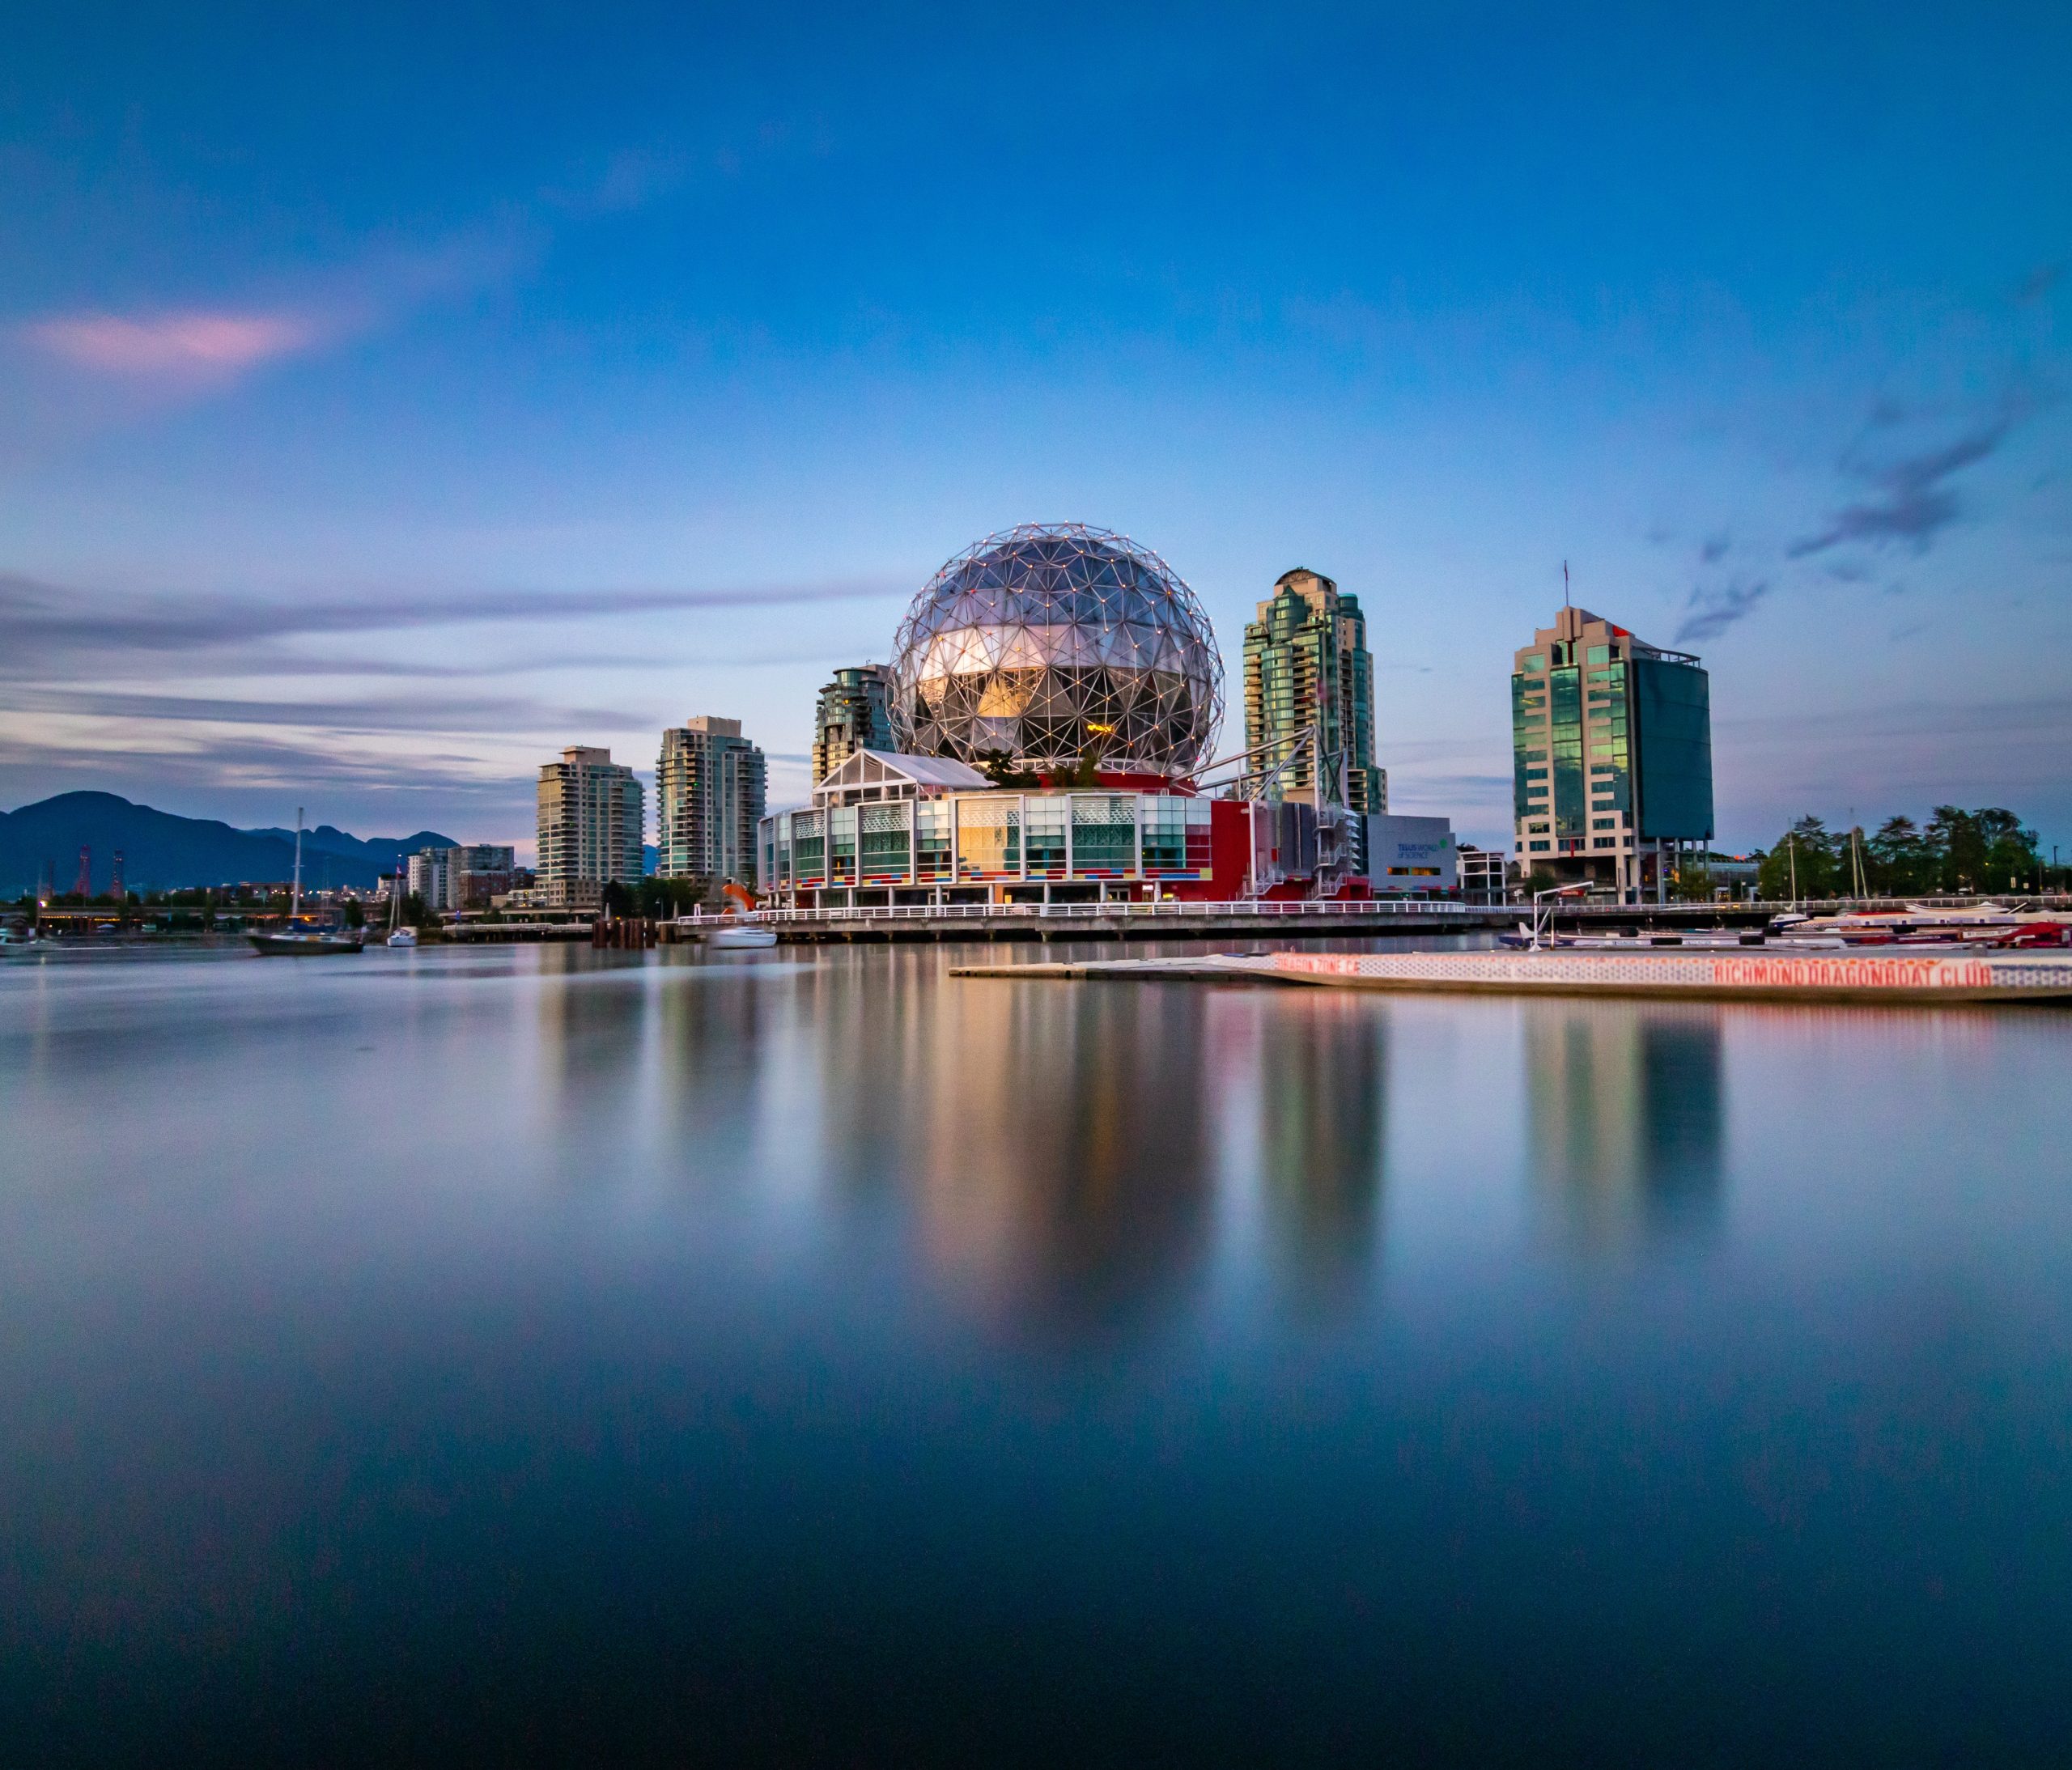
(1611, 756)
(1306, 664)
(854, 713)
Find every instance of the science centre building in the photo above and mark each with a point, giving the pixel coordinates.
(1081, 674)
(1052, 645)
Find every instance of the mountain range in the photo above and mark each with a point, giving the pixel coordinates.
(161, 851)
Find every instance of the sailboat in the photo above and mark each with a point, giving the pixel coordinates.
(399, 936)
(300, 939)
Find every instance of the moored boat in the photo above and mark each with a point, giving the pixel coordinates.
(309, 942)
(740, 936)
(737, 933)
(400, 937)
(304, 938)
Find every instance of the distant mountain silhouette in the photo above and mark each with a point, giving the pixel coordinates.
(161, 851)
(379, 852)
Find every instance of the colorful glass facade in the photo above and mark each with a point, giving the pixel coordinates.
(991, 838)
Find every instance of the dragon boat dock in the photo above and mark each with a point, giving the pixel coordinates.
(1926, 979)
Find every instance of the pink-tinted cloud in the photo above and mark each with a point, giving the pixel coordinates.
(194, 343)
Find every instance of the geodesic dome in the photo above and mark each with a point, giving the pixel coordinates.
(1054, 639)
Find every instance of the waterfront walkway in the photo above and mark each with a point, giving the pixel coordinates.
(1181, 920)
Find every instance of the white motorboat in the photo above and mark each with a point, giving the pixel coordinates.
(402, 937)
(740, 936)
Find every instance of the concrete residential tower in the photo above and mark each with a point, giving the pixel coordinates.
(709, 786)
(592, 822)
(1306, 663)
(1612, 755)
(854, 713)
(462, 878)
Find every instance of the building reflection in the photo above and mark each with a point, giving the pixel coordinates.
(1058, 1142)
(712, 1072)
(591, 1024)
(1626, 1113)
(1322, 1119)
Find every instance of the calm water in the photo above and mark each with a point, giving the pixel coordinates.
(821, 1357)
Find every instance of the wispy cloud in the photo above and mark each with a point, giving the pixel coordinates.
(1713, 608)
(2039, 282)
(490, 715)
(48, 623)
(1910, 500)
(155, 760)
(196, 343)
(628, 179)
(180, 350)
(141, 692)
(1911, 503)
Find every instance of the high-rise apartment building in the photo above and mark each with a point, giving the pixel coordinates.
(430, 877)
(461, 878)
(709, 786)
(854, 713)
(592, 824)
(1612, 755)
(1306, 664)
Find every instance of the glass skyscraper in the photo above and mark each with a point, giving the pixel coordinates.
(1306, 663)
(1612, 755)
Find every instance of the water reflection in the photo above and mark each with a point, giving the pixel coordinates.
(712, 1022)
(1322, 1088)
(590, 1022)
(1059, 1140)
(386, 1316)
(1626, 1113)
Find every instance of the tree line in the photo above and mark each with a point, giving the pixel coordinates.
(1955, 851)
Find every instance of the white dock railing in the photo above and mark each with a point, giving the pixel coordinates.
(1343, 908)
(1165, 910)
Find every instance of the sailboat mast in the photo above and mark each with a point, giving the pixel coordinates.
(295, 902)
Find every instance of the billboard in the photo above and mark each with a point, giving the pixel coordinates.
(1410, 854)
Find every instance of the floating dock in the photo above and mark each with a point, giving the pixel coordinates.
(1769, 975)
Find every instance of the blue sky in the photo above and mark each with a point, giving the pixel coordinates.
(386, 403)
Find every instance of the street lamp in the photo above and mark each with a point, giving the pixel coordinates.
(1558, 891)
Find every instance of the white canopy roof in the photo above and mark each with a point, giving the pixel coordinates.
(916, 777)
